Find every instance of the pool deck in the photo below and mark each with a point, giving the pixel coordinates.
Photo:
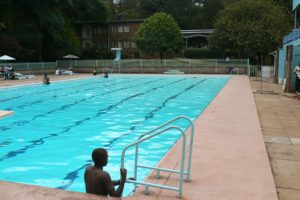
(230, 159)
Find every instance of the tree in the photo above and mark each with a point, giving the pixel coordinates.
(33, 35)
(238, 28)
(181, 10)
(286, 4)
(159, 34)
(207, 13)
(126, 9)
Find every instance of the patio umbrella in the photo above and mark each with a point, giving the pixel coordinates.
(70, 57)
(6, 57)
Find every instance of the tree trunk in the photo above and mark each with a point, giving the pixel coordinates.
(161, 55)
(276, 65)
(40, 52)
(288, 68)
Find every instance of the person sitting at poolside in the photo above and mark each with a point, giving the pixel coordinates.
(11, 72)
(58, 71)
(46, 79)
(98, 181)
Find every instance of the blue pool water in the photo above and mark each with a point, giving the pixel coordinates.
(49, 139)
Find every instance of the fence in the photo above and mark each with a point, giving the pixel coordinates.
(265, 73)
(188, 66)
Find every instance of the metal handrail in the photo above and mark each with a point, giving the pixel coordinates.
(147, 185)
(146, 136)
(188, 172)
(233, 70)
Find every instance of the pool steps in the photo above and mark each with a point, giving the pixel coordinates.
(152, 133)
(173, 71)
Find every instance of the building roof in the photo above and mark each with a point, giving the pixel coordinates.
(126, 21)
(196, 33)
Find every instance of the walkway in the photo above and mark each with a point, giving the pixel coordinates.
(279, 114)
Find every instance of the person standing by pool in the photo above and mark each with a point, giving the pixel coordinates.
(98, 181)
(6, 73)
(46, 79)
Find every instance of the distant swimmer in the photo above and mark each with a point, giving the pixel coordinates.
(105, 74)
(95, 71)
(46, 79)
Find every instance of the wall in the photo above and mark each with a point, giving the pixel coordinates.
(119, 37)
(281, 65)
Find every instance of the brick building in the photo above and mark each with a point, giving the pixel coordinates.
(113, 34)
(121, 34)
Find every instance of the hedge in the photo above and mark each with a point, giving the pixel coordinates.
(202, 53)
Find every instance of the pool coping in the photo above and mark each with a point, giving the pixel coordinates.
(229, 159)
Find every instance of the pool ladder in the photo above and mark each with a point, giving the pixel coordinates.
(150, 134)
(234, 70)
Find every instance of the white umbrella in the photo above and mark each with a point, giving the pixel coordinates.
(6, 57)
(70, 57)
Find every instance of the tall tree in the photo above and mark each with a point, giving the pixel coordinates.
(159, 34)
(127, 9)
(286, 4)
(180, 10)
(45, 30)
(237, 28)
(208, 12)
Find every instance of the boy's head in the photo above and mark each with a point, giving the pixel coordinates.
(100, 157)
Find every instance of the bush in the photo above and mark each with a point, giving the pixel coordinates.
(202, 53)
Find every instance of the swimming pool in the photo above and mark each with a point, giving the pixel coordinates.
(49, 139)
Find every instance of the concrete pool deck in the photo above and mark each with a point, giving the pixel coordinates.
(230, 160)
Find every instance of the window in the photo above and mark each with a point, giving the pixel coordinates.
(126, 44)
(87, 33)
(133, 45)
(87, 45)
(104, 43)
(126, 29)
(119, 44)
(120, 29)
(114, 29)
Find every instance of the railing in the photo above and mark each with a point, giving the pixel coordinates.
(188, 66)
(150, 134)
(34, 66)
(234, 70)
